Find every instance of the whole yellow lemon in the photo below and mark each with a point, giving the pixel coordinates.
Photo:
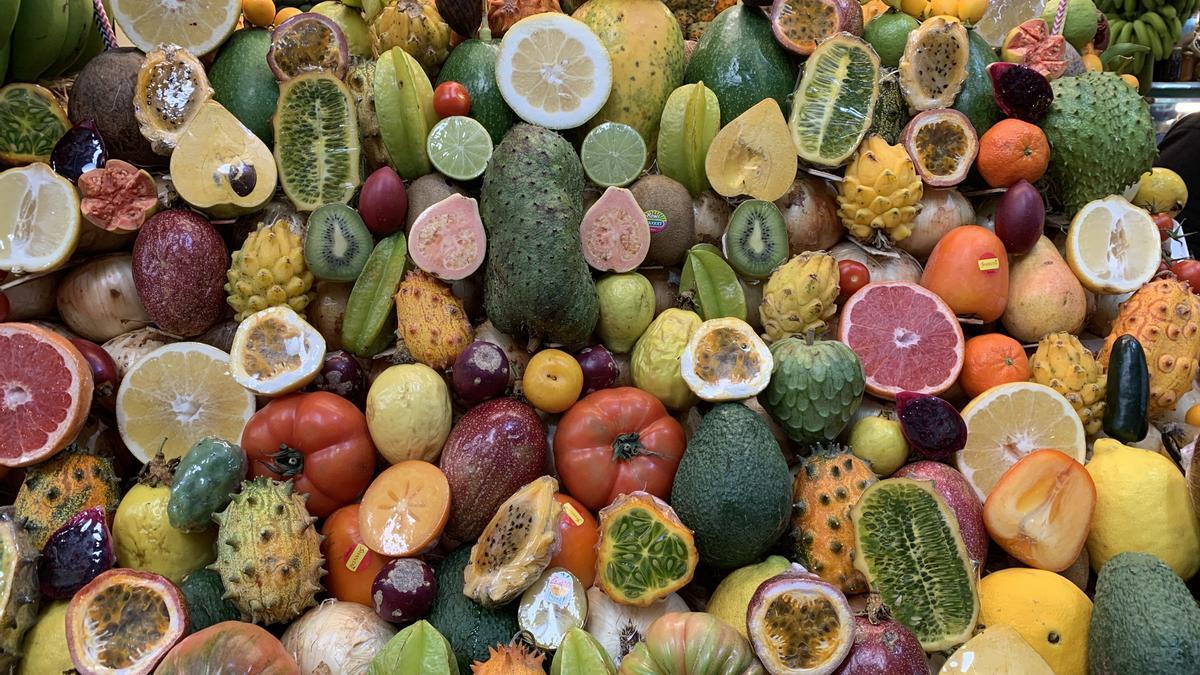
(1048, 611)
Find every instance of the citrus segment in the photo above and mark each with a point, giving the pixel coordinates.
(905, 336)
(1008, 422)
(459, 148)
(39, 219)
(275, 351)
(613, 154)
(198, 26)
(45, 393)
(177, 395)
(1113, 246)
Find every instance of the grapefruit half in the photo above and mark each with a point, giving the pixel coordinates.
(907, 338)
(45, 393)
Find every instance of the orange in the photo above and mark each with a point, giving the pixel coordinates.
(990, 360)
(1012, 150)
(259, 13)
(285, 14)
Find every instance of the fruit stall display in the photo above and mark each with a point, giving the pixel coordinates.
(705, 337)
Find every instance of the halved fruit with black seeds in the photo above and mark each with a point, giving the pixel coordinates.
(645, 552)
(124, 621)
(316, 141)
(942, 144)
(516, 546)
(799, 625)
(171, 88)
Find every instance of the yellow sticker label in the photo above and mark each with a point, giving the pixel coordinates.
(573, 514)
(356, 557)
(989, 264)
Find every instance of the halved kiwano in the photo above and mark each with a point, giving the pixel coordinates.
(308, 43)
(124, 621)
(907, 338)
(275, 351)
(725, 360)
(942, 144)
(31, 122)
(645, 553)
(45, 393)
(835, 102)
(800, 24)
(405, 509)
(171, 88)
(614, 233)
(516, 546)
(753, 154)
(447, 239)
(799, 624)
(910, 549)
(934, 64)
(316, 141)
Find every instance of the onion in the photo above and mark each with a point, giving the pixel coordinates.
(220, 335)
(619, 627)
(98, 299)
(665, 282)
(870, 407)
(1101, 319)
(712, 214)
(337, 637)
(33, 298)
(985, 215)
(884, 265)
(128, 348)
(941, 211)
(327, 310)
(810, 213)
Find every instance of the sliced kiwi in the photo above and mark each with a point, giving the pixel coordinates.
(337, 244)
(756, 241)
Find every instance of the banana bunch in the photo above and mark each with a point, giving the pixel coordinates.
(1155, 24)
(44, 39)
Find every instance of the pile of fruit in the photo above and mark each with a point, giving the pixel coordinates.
(402, 336)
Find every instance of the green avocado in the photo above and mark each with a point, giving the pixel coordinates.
(473, 65)
(243, 82)
(471, 628)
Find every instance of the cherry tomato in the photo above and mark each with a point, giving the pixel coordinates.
(852, 275)
(1165, 224)
(450, 99)
(1189, 271)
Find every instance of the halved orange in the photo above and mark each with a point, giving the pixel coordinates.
(45, 393)
(405, 509)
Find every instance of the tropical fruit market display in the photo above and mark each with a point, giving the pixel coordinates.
(620, 336)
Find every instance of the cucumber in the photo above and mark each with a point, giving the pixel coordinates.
(977, 100)
(1127, 400)
(473, 65)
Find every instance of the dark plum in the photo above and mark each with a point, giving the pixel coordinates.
(1020, 217)
(480, 372)
(932, 427)
(104, 371)
(74, 555)
(403, 590)
(341, 374)
(383, 202)
(599, 367)
(883, 647)
(79, 150)
(1021, 92)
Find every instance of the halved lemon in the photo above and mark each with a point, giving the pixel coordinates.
(199, 26)
(1009, 421)
(1113, 246)
(177, 395)
(553, 71)
(275, 351)
(39, 219)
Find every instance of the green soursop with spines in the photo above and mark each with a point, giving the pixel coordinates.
(816, 386)
(1101, 138)
(268, 552)
(733, 488)
(537, 283)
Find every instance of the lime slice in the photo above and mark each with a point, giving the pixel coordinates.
(613, 154)
(459, 148)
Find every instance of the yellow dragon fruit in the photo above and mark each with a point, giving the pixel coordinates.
(431, 321)
(881, 191)
(800, 296)
(1063, 364)
(414, 26)
(269, 270)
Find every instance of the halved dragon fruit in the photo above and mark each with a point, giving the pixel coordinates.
(1021, 92)
(77, 553)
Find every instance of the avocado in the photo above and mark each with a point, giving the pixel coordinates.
(243, 82)
(471, 628)
(733, 488)
(976, 99)
(473, 65)
(1144, 620)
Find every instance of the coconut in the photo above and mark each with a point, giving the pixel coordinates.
(104, 91)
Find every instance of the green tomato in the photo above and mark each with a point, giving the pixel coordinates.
(880, 443)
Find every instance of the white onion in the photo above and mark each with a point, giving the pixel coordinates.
(810, 213)
(712, 214)
(128, 348)
(337, 637)
(98, 299)
(942, 210)
(884, 265)
(619, 627)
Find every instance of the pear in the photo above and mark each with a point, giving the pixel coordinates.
(1043, 295)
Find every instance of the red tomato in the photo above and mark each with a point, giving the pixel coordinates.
(1189, 271)
(1165, 224)
(616, 441)
(579, 532)
(450, 99)
(318, 439)
(352, 566)
(852, 275)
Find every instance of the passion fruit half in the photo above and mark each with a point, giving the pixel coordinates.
(124, 621)
(942, 144)
(799, 625)
(308, 43)
(725, 360)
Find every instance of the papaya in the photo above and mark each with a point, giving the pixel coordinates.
(968, 269)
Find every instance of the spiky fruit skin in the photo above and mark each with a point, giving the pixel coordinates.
(1164, 316)
(53, 491)
(800, 296)
(18, 587)
(268, 552)
(1066, 366)
(695, 15)
(814, 390)
(502, 14)
(414, 26)
(881, 191)
(512, 659)
(269, 270)
(829, 483)
(1101, 138)
(432, 321)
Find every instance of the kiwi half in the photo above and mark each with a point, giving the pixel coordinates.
(756, 241)
(337, 244)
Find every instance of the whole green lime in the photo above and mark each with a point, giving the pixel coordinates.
(887, 34)
(1081, 21)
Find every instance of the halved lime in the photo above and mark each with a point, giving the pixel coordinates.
(613, 154)
(459, 148)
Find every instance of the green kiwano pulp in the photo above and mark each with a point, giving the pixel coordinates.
(645, 555)
(815, 388)
(204, 483)
(316, 141)
(31, 122)
(912, 554)
(655, 362)
(419, 648)
(833, 106)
